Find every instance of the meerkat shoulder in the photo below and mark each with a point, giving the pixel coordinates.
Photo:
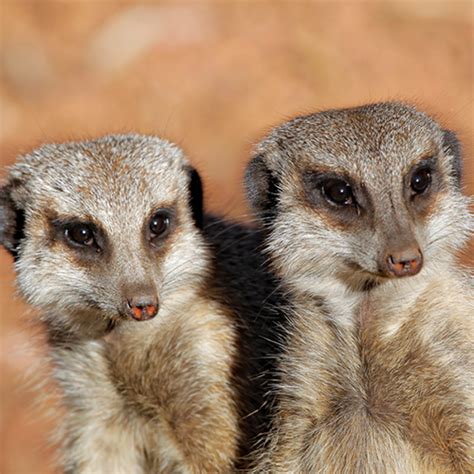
(364, 213)
(139, 299)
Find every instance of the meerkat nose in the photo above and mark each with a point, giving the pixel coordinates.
(142, 307)
(406, 262)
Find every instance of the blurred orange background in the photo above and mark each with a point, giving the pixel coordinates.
(212, 76)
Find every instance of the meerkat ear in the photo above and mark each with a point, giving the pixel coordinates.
(453, 145)
(261, 187)
(196, 197)
(12, 221)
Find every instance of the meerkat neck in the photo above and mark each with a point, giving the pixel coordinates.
(346, 306)
(338, 301)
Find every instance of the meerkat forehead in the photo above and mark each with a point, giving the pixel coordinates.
(124, 172)
(383, 138)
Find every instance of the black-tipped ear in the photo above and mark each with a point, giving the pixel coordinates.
(196, 197)
(262, 187)
(12, 222)
(453, 145)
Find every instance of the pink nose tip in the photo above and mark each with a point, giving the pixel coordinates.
(142, 310)
(407, 262)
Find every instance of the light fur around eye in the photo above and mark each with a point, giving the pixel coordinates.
(142, 299)
(376, 373)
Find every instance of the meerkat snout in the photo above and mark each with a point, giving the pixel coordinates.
(376, 371)
(112, 231)
(141, 303)
(405, 262)
(401, 255)
(357, 197)
(115, 240)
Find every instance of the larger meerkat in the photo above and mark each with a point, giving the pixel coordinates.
(364, 214)
(111, 231)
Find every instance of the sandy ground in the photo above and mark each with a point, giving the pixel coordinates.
(212, 76)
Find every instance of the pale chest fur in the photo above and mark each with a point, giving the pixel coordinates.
(165, 392)
(389, 393)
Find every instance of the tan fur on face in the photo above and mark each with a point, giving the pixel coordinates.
(378, 373)
(140, 397)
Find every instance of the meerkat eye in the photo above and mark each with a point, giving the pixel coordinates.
(420, 180)
(338, 191)
(159, 224)
(80, 234)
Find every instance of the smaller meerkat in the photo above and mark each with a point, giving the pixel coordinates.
(364, 213)
(149, 305)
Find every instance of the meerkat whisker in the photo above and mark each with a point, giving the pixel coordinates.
(148, 304)
(363, 212)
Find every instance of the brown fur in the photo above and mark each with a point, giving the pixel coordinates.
(377, 374)
(359, 401)
(150, 396)
(142, 402)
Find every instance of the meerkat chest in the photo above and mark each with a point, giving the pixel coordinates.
(359, 367)
(190, 348)
(174, 376)
(380, 392)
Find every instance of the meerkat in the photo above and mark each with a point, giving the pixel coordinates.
(149, 305)
(364, 213)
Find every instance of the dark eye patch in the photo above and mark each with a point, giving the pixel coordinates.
(159, 225)
(421, 184)
(422, 177)
(330, 189)
(420, 180)
(338, 191)
(80, 235)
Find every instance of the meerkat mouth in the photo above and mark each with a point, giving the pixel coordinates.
(111, 323)
(360, 279)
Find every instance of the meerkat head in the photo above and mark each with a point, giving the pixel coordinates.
(367, 194)
(103, 230)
